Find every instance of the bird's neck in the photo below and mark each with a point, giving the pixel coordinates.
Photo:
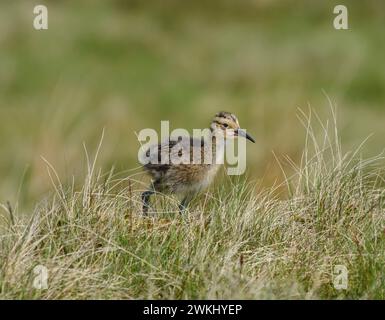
(218, 144)
(218, 139)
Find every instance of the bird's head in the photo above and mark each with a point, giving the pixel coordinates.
(226, 124)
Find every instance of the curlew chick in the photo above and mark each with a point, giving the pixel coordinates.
(198, 160)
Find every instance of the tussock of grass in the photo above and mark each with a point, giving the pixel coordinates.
(234, 243)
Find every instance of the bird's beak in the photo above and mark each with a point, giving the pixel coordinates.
(242, 133)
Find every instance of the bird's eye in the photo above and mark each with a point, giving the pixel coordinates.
(225, 125)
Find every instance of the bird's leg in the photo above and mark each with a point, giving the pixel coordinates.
(183, 205)
(146, 200)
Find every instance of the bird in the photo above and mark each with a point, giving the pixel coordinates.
(188, 178)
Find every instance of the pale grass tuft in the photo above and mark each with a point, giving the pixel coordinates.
(235, 242)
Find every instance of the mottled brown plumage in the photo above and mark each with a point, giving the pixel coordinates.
(194, 162)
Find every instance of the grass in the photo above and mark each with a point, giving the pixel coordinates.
(235, 242)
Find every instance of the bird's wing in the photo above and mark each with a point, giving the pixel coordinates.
(154, 152)
(173, 150)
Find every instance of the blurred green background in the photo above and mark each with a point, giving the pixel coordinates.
(126, 65)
